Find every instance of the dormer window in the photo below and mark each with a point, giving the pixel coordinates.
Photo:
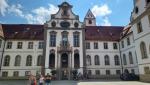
(90, 21)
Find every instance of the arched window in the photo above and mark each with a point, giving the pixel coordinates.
(90, 21)
(6, 60)
(130, 58)
(107, 60)
(29, 60)
(52, 60)
(143, 50)
(124, 59)
(88, 60)
(39, 60)
(17, 60)
(117, 61)
(0, 43)
(149, 49)
(97, 60)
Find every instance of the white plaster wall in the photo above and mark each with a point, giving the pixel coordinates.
(24, 52)
(145, 37)
(101, 52)
(126, 50)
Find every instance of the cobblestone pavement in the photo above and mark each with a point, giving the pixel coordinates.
(100, 82)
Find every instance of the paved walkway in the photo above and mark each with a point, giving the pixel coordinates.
(24, 82)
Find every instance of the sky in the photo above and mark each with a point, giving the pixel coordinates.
(107, 12)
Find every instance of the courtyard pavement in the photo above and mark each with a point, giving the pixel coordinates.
(100, 82)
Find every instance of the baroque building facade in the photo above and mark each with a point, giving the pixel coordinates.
(64, 44)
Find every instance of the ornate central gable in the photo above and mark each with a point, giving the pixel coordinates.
(65, 12)
(64, 18)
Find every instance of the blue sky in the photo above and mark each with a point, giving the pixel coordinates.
(107, 12)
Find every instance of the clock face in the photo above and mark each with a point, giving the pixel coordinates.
(64, 24)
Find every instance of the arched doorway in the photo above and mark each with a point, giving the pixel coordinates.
(76, 60)
(64, 66)
(52, 60)
(64, 60)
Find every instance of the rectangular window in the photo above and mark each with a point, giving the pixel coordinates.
(147, 70)
(76, 40)
(9, 45)
(4, 74)
(19, 45)
(122, 44)
(89, 72)
(30, 45)
(95, 45)
(115, 46)
(97, 72)
(87, 45)
(107, 72)
(105, 45)
(41, 45)
(0, 43)
(118, 72)
(132, 71)
(53, 40)
(16, 74)
(139, 27)
(128, 41)
(27, 73)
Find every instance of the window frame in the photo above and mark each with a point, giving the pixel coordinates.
(29, 60)
(95, 45)
(105, 45)
(30, 45)
(115, 46)
(9, 45)
(139, 27)
(97, 60)
(19, 45)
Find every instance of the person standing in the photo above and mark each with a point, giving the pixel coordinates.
(32, 80)
(41, 80)
(47, 79)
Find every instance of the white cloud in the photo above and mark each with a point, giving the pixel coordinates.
(41, 14)
(102, 10)
(16, 9)
(3, 7)
(36, 16)
(106, 22)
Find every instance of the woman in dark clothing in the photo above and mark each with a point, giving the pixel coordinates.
(47, 79)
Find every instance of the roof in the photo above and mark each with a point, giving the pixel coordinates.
(126, 31)
(1, 31)
(23, 31)
(103, 33)
(36, 32)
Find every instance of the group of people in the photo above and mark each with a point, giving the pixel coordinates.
(41, 81)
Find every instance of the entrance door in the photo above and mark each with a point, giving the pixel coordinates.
(64, 60)
(64, 66)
